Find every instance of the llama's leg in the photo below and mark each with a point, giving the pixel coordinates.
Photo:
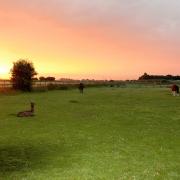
(174, 93)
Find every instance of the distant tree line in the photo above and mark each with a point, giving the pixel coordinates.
(49, 78)
(146, 76)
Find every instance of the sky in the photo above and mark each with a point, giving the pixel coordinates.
(97, 39)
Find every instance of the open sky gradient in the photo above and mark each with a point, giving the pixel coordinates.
(115, 39)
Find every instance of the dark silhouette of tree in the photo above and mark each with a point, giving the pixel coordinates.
(50, 79)
(146, 76)
(22, 75)
(42, 78)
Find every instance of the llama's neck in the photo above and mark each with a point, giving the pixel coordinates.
(32, 107)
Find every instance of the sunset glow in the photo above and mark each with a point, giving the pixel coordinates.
(91, 39)
(4, 70)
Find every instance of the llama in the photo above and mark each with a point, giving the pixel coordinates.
(27, 113)
(81, 87)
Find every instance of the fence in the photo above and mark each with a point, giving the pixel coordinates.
(5, 84)
(8, 83)
(130, 84)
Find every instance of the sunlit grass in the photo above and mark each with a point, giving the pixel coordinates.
(104, 134)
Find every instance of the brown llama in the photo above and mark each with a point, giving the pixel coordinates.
(27, 113)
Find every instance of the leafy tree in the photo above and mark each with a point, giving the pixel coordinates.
(50, 78)
(22, 75)
(145, 76)
(42, 78)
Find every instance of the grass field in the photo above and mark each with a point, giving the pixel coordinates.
(130, 133)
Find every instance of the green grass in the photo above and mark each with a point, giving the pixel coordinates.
(107, 133)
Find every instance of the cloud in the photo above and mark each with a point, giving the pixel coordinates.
(151, 18)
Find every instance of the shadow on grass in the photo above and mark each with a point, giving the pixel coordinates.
(17, 158)
(25, 117)
(26, 158)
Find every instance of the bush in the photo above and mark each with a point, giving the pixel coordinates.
(22, 75)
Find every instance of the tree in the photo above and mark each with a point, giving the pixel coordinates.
(22, 75)
(145, 76)
(50, 78)
(42, 78)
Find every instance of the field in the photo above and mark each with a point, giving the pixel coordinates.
(107, 133)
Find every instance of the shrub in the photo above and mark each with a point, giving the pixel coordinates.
(22, 75)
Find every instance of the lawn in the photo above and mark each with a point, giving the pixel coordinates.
(107, 133)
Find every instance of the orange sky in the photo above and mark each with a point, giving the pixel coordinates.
(96, 39)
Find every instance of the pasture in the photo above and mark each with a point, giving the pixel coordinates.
(107, 133)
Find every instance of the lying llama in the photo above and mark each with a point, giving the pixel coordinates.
(27, 113)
